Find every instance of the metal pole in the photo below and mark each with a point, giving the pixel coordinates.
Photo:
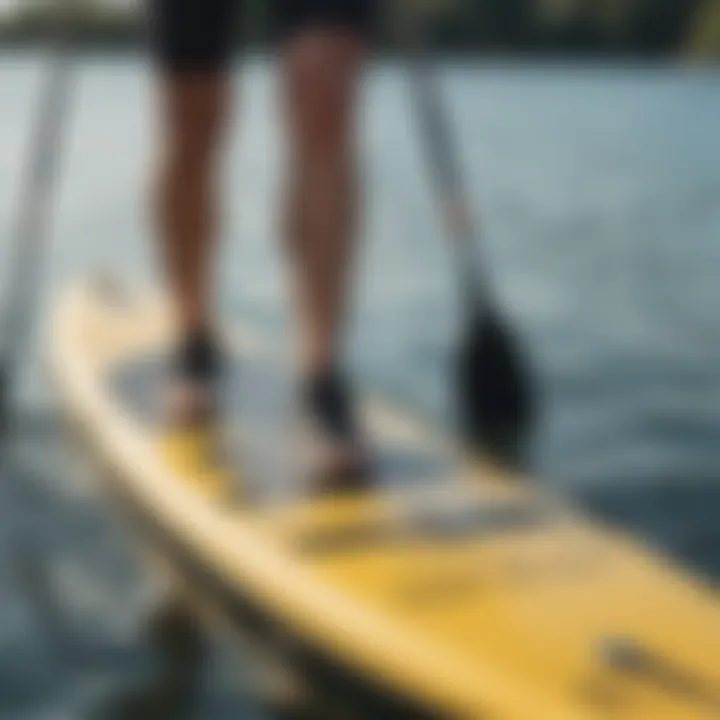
(29, 235)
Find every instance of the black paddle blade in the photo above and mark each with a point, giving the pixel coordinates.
(494, 392)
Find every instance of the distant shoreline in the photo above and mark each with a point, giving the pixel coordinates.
(126, 33)
(503, 61)
(543, 57)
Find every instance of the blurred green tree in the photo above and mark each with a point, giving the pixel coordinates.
(703, 37)
(628, 27)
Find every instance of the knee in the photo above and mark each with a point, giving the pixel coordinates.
(323, 78)
(194, 112)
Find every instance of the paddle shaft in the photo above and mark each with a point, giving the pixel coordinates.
(28, 239)
(445, 170)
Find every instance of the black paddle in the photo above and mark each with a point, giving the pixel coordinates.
(30, 232)
(493, 386)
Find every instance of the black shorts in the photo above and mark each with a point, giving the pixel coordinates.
(201, 34)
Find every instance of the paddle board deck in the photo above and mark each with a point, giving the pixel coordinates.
(449, 591)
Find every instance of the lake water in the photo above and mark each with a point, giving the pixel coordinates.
(599, 194)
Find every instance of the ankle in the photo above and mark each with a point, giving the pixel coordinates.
(198, 353)
(330, 400)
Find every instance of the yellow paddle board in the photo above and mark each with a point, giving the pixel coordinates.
(448, 591)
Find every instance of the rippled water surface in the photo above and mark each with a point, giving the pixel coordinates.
(598, 191)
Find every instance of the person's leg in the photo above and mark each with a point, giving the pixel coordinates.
(322, 68)
(192, 43)
(186, 213)
(324, 50)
